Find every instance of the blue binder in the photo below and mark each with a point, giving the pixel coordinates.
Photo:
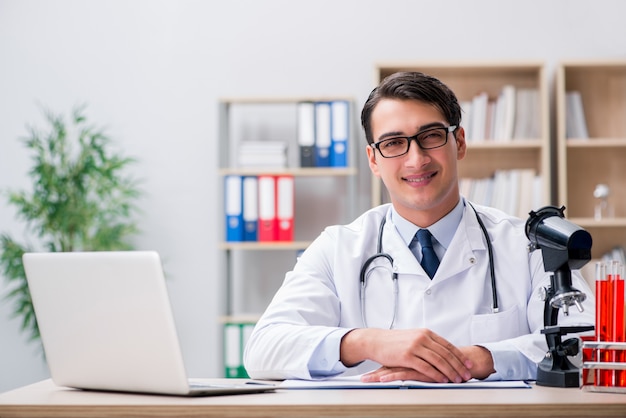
(233, 207)
(339, 133)
(250, 208)
(322, 134)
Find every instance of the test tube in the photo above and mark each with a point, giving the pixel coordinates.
(604, 323)
(616, 277)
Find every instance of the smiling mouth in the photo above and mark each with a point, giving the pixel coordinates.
(420, 179)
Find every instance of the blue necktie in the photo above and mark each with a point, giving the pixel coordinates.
(430, 261)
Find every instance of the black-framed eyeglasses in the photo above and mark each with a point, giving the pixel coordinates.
(427, 139)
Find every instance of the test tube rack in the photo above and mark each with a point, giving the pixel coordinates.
(591, 385)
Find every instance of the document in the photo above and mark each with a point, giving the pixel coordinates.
(354, 382)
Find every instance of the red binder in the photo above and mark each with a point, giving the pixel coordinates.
(268, 230)
(285, 207)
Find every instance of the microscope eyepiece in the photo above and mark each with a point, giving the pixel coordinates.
(560, 239)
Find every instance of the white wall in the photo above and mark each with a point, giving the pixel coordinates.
(152, 72)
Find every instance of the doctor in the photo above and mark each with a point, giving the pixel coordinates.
(409, 313)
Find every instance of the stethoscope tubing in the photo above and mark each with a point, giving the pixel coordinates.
(492, 268)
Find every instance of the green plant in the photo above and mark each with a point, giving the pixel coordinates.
(81, 200)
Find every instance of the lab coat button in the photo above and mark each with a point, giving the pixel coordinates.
(472, 260)
(428, 291)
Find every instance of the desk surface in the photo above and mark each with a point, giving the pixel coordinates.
(44, 399)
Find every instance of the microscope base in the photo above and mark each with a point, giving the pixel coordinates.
(558, 378)
(555, 369)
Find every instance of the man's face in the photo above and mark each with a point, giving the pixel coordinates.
(422, 184)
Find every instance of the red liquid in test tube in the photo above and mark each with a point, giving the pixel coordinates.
(604, 323)
(616, 277)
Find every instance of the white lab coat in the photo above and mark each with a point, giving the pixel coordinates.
(322, 295)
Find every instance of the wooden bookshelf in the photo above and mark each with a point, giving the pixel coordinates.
(600, 158)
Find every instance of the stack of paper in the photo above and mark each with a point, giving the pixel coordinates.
(262, 154)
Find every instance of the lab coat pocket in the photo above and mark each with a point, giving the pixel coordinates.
(499, 326)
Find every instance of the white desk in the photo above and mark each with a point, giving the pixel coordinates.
(44, 399)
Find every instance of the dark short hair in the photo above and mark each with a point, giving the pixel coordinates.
(412, 86)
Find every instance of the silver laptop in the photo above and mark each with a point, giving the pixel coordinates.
(106, 324)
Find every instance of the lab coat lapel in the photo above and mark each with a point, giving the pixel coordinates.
(461, 254)
(459, 257)
(403, 259)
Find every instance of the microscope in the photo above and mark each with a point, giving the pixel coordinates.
(564, 246)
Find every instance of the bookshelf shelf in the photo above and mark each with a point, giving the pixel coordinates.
(485, 157)
(599, 158)
(296, 172)
(278, 245)
(596, 143)
(504, 146)
(288, 100)
(239, 319)
(601, 223)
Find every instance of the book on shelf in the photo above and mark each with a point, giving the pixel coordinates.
(515, 192)
(466, 117)
(511, 115)
(526, 114)
(529, 196)
(575, 122)
(479, 117)
(499, 199)
(513, 202)
(490, 122)
(505, 113)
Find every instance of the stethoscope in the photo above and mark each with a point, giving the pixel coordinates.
(394, 275)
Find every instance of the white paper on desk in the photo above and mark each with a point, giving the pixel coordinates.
(354, 382)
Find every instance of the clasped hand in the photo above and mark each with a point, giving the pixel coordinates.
(414, 354)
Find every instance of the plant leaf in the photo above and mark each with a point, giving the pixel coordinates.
(81, 199)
